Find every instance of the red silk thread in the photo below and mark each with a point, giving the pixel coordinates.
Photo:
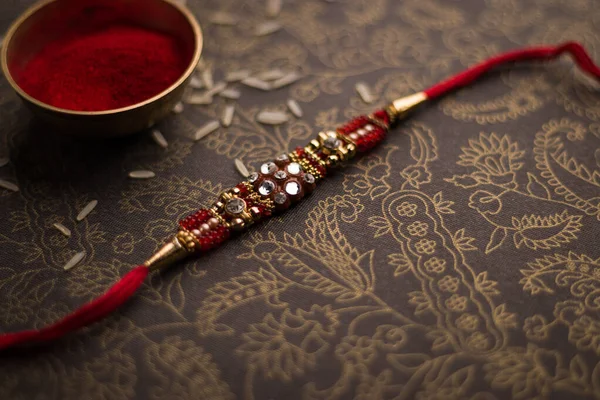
(542, 53)
(121, 291)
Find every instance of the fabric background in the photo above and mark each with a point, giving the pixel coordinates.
(458, 260)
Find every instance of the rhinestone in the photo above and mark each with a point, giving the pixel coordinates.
(292, 188)
(309, 178)
(266, 188)
(294, 168)
(362, 132)
(268, 168)
(280, 198)
(253, 177)
(280, 175)
(332, 142)
(369, 127)
(235, 206)
(283, 157)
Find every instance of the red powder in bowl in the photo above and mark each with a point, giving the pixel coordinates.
(114, 67)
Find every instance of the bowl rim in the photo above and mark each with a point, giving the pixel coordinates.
(43, 3)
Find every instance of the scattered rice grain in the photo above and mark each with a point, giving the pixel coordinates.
(222, 18)
(232, 94)
(85, 211)
(4, 161)
(241, 167)
(235, 76)
(207, 78)
(62, 229)
(294, 108)
(267, 28)
(141, 174)
(271, 75)
(257, 83)
(286, 80)
(364, 92)
(196, 83)
(159, 138)
(273, 8)
(199, 99)
(76, 259)
(206, 130)
(272, 117)
(216, 89)
(227, 117)
(178, 109)
(8, 185)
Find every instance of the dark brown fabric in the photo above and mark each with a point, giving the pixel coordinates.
(458, 260)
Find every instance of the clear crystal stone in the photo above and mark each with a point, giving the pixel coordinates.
(292, 188)
(253, 177)
(280, 175)
(268, 168)
(283, 157)
(369, 127)
(332, 142)
(266, 188)
(235, 206)
(280, 198)
(309, 178)
(294, 168)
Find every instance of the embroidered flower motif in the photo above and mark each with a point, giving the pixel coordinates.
(356, 350)
(435, 265)
(485, 202)
(425, 246)
(467, 322)
(407, 209)
(390, 337)
(456, 303)
(288, 346)
(448, 284)
(371, 181)
(585, 333)
(418, 228)
(537, 232)
(416, 175)
(496, 159)
(536, 327)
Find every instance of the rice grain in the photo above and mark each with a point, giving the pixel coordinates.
(62, 229)
(207, 78)
(4, 161)
(232, 94)
(267, 28)
(257, 83)
(196, 83)
(295, 108)
(286, 80)
(199, 99)
(225, 19)
(76, 259)
(159, 138)
(227, 117)
(85, 211)
(235, 76)
(207, 129)
(273, 8)
(178, 109)
(364, 92)
(8, 185)
(272, 117)
(142, 174)
(216, 89)
(271, 75)
(241, 167)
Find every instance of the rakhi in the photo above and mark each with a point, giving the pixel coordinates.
(279, 184)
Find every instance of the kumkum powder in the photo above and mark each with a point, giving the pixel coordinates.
(108, 68)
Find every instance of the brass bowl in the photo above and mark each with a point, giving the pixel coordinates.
(48, 19)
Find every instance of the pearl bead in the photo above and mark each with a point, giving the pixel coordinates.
(213, 222)
(196, 232)
(354, 136)
(204, 228)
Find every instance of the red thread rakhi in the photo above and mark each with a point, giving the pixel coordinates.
(279, 184)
